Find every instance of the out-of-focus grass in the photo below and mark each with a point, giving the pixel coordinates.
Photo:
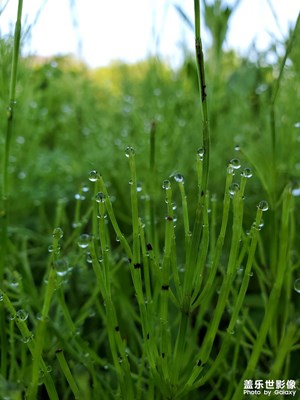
(125, 300)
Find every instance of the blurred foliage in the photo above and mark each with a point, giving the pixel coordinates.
(71, 119)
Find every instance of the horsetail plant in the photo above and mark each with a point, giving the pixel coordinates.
(4, 212)
(150, 306)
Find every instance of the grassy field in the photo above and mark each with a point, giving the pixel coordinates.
(150, 234)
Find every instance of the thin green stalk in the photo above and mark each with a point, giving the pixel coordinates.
(30, 341)
(203, 95)
(220, 241)
(41, 327)
(4, 212)
(153, 235)
(274, 175)
(165, 284)
(271, 308)
(112, 217)
(212, 330)
(67, 373)
(204, 152)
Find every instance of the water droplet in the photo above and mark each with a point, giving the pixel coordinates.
(9, 112)
(89, 258)
(58, 233)
(296, 192)
(234, 188)
(93, 176)
(84, 241)
(27, 339)
(78, 196)
(297, 125)
(237, 147)
(22, 315)
(49, 369)
(179, 178)
(62, 268)
(263, 205)
(84, 188)
(129, 151)
(1, 297)
(200, 153)
(20, 139)
(247, 173)
(235, 163)
(230, 170)
(255, 226)
(54, 249)
(139, 187)
(166, 185)
(297, 285)
(76, 225)
(100, 197)
(130, 182)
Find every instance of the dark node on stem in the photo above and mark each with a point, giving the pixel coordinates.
(137, 266)
(153, 126)
(148, 336)
(59, 351)
(117, 329)
(202, 193)
(129, 260)
(163, 355)
(165, 287)
(169, 218)
(199, 363)
(203, 92)
(149, 246)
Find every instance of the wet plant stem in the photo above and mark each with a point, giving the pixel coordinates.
(282, 265)
(203, 97)
(4, 213)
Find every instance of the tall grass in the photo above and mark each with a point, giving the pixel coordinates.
(180, 295)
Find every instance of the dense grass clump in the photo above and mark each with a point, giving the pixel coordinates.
(141, 256)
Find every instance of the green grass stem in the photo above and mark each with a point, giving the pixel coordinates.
(67, 373)
(283, 265)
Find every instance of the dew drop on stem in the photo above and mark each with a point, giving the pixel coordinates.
(179, 178)
(263, 205)
(58, 233)
(129, 151)
(234, 188)
(235, 163)
(85, 188)
(22, 315)
(247, 173)
(62, 268)
(93, 176)
(166, 184)
(84, 241)
(296, 192)
(200, 153)
(297, 285)
(54, 249)
(100, 197)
